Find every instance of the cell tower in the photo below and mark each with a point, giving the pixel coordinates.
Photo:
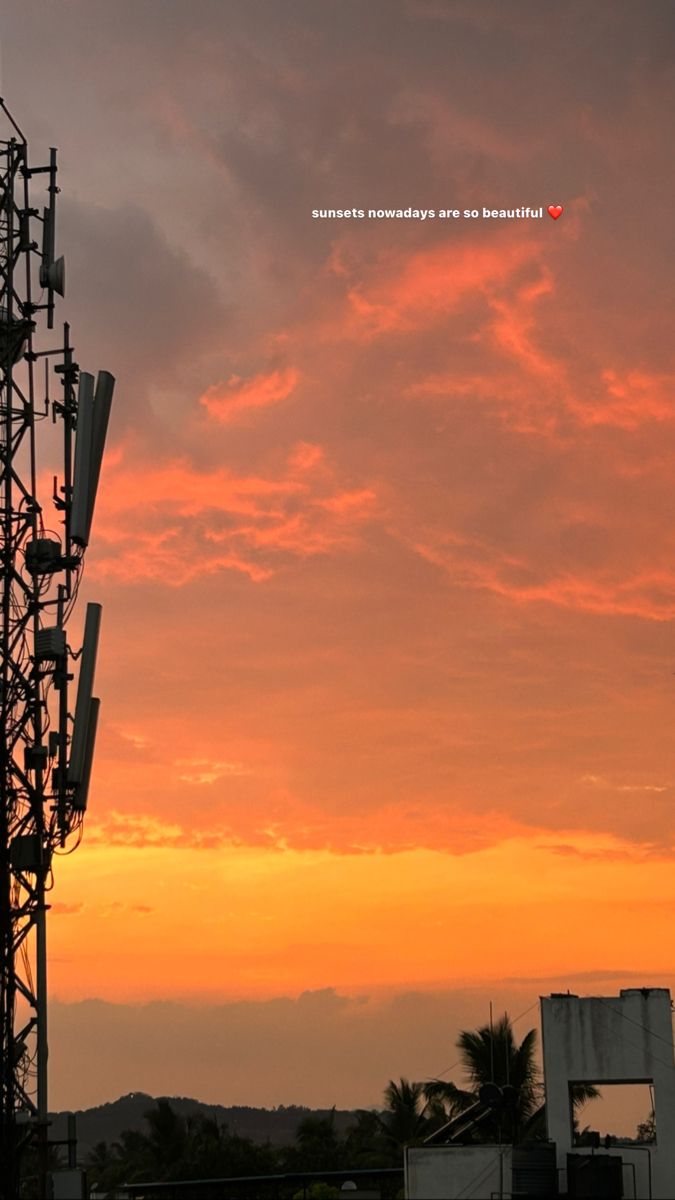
(45, 751)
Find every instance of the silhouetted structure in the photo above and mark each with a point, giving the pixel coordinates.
(45, 756)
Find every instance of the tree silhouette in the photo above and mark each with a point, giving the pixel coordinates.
(405, 1120)
(366, 1143)
(492, 1054)
(646, 1130)
(317, 1146)
(167, 1139)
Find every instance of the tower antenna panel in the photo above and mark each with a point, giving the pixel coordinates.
(84, 441)
(105, 386)
(85, 685)
(81, 793)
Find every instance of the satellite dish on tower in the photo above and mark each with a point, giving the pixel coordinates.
(52, 271)
(56, 276)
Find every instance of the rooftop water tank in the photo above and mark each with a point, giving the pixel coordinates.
(534, 1171)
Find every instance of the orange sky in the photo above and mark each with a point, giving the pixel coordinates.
(385, 536)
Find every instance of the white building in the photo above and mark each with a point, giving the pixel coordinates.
(624, 1039)
(612, 1040)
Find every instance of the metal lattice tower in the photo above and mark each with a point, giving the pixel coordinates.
(45, 752)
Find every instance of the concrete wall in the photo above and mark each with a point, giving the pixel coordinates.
(457, 1172)
(615, 1039)
(68, 1184)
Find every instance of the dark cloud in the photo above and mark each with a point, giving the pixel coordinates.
(256, 1052)
(145, 305)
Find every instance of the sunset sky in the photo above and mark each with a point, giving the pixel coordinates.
(385, 539)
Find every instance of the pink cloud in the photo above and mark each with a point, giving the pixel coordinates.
(227, 401)
(629, 399)
(427, 285)
(611, 589)
(197, 522)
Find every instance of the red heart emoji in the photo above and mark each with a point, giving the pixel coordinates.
(555, 211)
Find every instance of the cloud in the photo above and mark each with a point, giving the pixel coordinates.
(147, 307)
(280, 821)
(429, 285)
(598, 781)
(138, 740)
(249, 1052)
(197, 522)
(448, 129)
(630, 399)
(129, 829)
(203, 771)
(252, 1052)
(522, 580)
(227, 402)
(117, 908)
(66, 910)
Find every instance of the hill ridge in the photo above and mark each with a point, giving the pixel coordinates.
(105, 1122)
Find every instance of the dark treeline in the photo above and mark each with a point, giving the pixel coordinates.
(198, 1147)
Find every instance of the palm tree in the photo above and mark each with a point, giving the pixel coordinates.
(366, 1144)
(105, 1168)
(317, 1145)
(167, 1138)
(492, 1055)
(405, 1120)
(133, 1151)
